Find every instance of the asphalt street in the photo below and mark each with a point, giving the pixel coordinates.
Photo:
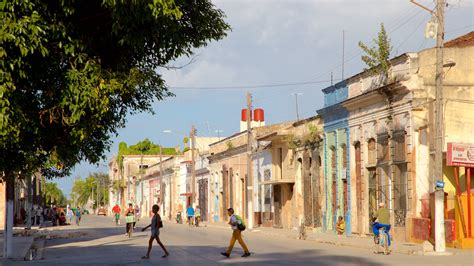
(107, 244)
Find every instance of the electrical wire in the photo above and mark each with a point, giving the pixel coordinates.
(304, 83)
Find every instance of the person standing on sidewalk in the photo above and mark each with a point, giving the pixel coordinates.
(69, 214)
(156, 224)
(78, 215)
(190, 214)
(238, 226)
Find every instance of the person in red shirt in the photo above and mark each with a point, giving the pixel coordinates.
(116, 210)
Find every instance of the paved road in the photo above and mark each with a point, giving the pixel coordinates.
(107, 244)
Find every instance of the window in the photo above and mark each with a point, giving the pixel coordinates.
(372, 155)
(267, 190)
(344, 156)
(399, 151)
(400, 194)
(383, 149)
(280, 162)
(333, 158)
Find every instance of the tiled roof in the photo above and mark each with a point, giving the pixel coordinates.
(462, 41)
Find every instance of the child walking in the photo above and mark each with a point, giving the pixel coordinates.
(155, 225)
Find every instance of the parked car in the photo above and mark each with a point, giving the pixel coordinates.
(102, 211)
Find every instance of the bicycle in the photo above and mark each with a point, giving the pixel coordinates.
(130, 220)
(382, 241)
(117, 219)
(196, 221)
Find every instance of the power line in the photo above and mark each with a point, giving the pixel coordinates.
(250, 86)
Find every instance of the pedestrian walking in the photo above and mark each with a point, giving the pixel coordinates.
(130, 219)
(69, 215)
(78, 215)
(39, 215)
(190, 214)
(156, 224)
(238, 226)
(137, 212)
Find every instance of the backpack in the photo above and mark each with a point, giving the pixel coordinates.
(241, 226)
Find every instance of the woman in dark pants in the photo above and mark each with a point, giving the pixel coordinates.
(130, 212)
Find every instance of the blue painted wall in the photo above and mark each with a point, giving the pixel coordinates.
(336, 132)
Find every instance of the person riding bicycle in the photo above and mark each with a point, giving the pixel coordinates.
(116, 211)
(382, 220)
(130, 212)
(197, 213)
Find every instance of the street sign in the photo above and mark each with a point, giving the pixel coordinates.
(460, 154)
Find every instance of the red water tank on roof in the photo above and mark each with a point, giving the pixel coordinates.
(244, 115)
(259, 115)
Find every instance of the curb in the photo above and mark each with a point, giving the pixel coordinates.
(327, 242)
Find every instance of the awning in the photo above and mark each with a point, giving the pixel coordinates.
(278, 182)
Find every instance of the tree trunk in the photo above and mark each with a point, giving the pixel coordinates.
(29, 200)
(8, 232)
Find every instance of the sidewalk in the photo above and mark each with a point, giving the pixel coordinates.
(21, 246)
(332, 239)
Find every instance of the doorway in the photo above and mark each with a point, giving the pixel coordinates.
(277, 206)
(203, 194)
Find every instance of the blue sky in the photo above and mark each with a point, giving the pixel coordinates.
(276, 42)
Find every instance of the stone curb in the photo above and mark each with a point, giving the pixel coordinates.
(328, 242)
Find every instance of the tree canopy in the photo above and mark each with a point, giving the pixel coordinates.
(144, 147)
(84, 190)
(70, 72)
(377, 57)
(53, 195)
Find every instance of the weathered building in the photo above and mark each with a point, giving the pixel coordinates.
(391, 120)
(337, 185)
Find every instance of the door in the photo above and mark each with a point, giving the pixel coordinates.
(203, 194)
(358, 185)
(372, 192)
(277, 206)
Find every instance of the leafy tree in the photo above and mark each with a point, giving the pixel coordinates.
(70, 72)
(53, 195)
(84, 190)
(377, 57)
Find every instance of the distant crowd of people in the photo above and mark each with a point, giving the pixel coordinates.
(56, 215)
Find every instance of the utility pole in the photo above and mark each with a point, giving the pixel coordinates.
(343, 48)
(162, 192)
(440, 241)
(439, 231)
(97, 192)
(296, 103)
(193, 170)
(248, 180)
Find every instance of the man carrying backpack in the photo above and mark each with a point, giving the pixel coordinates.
(238, 226)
